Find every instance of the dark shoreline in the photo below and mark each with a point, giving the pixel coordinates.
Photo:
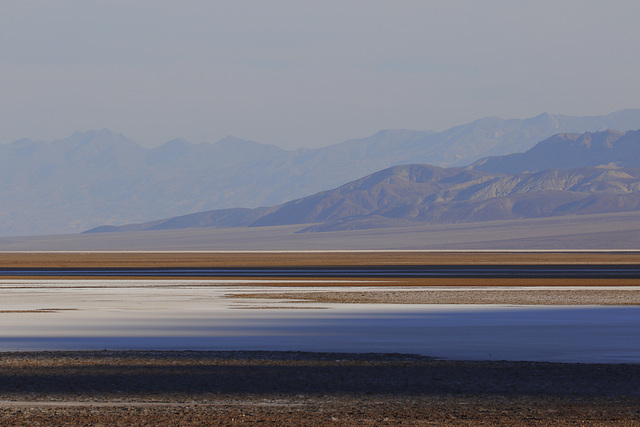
(310, 388)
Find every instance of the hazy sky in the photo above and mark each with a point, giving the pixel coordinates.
(304, 74)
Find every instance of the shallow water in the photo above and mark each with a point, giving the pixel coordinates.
(178, 314)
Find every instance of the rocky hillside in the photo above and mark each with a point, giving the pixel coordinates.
(567, 151)
(99, 177)
(404, 195)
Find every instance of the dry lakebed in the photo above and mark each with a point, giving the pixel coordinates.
(343, 351)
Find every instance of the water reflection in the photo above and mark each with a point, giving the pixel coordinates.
(186, 315)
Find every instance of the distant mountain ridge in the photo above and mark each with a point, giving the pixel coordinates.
(402, 195)
(566, 151)
(99, 177)
(408, 194)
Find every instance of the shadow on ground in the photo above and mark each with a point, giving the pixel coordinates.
(293, 373)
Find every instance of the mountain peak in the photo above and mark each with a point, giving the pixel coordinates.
(101, 137)
(231, 144)
(568, 151)
(100, 177)
(544, 120)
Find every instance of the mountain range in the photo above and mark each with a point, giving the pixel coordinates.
(565, 174)
(99, 177)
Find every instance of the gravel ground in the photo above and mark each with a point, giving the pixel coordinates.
(531, 296)
(293, 388)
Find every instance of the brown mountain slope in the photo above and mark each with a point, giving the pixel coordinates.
(409, 194)
(418, 193)
(99, 177)
(570, 150)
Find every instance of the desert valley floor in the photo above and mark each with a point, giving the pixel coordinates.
(341, 351)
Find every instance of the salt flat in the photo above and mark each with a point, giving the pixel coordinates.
(584, 232)
(201, 315)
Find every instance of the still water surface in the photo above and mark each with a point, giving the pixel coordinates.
(195, 315)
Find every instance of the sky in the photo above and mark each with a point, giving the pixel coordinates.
(307, 74)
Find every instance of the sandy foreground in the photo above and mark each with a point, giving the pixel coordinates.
(290, 388)
(295, 388)
(522, 291)
(302, 258)
(596, 231)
